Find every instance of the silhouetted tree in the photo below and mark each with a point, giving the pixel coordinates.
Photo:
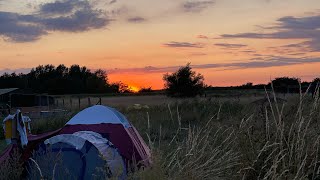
(285, 85)
(145, 89)
(119, 87)
(248, 85)
(314, 87)
(184, 83)
(97, 82)
(13, 80)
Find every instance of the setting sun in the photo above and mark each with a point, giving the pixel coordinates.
(134, 89)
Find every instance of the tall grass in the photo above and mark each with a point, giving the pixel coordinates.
(204, 139)
(280, 142)
(288, 145)
(12, 168)
(48, 124)
(188, 140)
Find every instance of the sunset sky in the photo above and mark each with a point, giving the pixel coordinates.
(230, 42)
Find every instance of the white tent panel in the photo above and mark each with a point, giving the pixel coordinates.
(97, 115)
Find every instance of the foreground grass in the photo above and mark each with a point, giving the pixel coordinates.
(211, 140)
(202, 139)
(3, 145)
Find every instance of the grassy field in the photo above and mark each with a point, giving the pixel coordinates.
(3, 145)
(73, 101)
(246, 137)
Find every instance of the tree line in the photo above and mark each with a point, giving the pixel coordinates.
(187, 83)
(62, 80)
(80, 80)
(286, 85)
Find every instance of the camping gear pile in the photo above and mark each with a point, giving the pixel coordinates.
(98, 141)
(14, 123)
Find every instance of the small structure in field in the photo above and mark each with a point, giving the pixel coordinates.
(6, 93)
(15, 97)
(30, 100)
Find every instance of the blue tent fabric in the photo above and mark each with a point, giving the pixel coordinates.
(81, 156)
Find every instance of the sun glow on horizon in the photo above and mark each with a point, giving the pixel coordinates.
(136, 45)
(134, 89)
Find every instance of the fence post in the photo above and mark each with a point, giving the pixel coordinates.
(89, 102)
(63, 102)
(14, 135)
(70, 102)
(10, 101)
(79, 100)
(48, 103)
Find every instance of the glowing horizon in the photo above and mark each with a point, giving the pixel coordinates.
(229, 42)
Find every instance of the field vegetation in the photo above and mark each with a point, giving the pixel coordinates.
(203, 138)
(245, 132)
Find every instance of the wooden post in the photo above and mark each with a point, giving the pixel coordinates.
(70, 102)
(79, 102)
(63, 102)
(9, 109)
(89, 102)
(48, 103)
(10, 101)
(14, 130)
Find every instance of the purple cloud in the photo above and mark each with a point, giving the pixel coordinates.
(202, 37)
(258, 62)
(112, 1)
(17, 71)
(232, 46)
(175, 44)
(196, 6)
(67, 16)
(136, 19)
(290, 27)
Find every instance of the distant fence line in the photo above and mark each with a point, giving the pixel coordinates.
(62, 102)
(111, 94)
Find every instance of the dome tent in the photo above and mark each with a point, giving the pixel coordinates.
(114, 126)
(95, 124)
(82, 155)
(98, 115)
